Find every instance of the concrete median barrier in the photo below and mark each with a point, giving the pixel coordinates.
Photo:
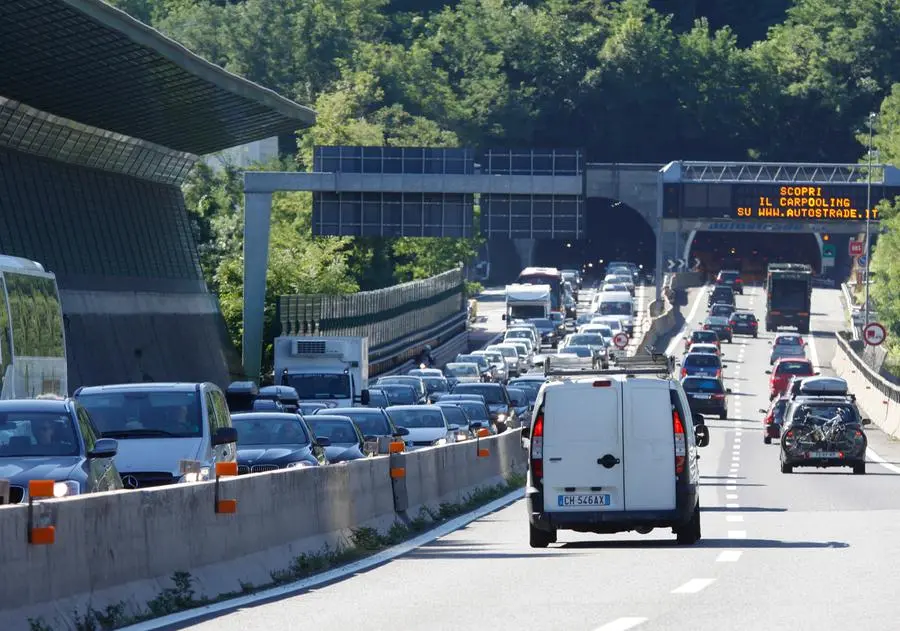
(122, 548)
(878, 398)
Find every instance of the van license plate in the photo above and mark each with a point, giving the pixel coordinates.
(823, 455)
(593, 499)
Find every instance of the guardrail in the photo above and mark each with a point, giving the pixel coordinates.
(878, 397)
(118, 551)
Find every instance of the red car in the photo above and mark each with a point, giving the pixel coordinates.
(773, 419)
(786, 368)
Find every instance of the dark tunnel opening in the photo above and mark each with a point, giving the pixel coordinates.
(751, 252)
(613, 232)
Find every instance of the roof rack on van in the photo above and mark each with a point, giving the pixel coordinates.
(644, 364)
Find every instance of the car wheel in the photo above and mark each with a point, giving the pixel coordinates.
(786, 468)
(859, 468)
(540, 538)
(723, 415)
(767, 440)
(689, 533)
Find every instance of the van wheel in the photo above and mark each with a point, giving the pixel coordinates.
(540, 538)
(786, 468)
(859, 468)
(723, 415)
(689, 534)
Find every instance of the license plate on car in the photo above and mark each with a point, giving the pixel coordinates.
(592, 499)
(701, 396)
(822, 455)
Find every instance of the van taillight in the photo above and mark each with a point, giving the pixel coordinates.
(537, 448)
(680, 445)
(602, 383)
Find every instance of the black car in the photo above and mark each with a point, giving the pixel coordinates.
(475, 410)
(310, 408)
(744, 323)
(456, 415)
(731, 279)
(49, 439)
(276, 440)
(399, 393)
(720, 326)
(494, 396)
(286, 395)
(826, 432)
(547, 330)
(721, 295)
(378, 399)
(347, 442)
(373, 423)
(706, 395)
(559, 321)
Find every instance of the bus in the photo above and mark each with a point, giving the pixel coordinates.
(545, 276)
(32, 333)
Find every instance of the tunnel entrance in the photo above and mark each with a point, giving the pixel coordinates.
(751, 252)
(613, 232)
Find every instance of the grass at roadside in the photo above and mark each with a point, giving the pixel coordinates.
(363, 542)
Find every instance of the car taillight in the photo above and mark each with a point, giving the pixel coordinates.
(537, 448)
(684, 372)
(706, 327)
(718, 397)
(718, 373)
(768, 419)
(728, 329)
(680, 444)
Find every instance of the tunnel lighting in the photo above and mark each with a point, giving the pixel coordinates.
(825, 237)
(568, 245)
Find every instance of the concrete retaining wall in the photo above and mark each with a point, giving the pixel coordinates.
(878, 399)
(125, 546)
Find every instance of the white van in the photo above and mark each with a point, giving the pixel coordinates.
(611, 451)
(617, 303)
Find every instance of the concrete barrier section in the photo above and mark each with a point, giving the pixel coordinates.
(124, 547)
(877, 398)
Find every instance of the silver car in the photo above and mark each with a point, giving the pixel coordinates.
(787, 345)
(501, 372)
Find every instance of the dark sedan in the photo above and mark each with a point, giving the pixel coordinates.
(268, 441)
(721, 326)
(547, 330)
(373, 423)
(706, 395)
(54, 440)
(744, 323)
(347, 442)
(399, 394)
(494, 396)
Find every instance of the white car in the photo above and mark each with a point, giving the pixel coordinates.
(614, 452)
(529, 332)
(463, 372)
(497, 361)
(427, 425)
(511, 355)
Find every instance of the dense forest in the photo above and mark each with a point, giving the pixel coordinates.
(628, 81)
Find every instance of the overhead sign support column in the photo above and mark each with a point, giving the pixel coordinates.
(670, 172)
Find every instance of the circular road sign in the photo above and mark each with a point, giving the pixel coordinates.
(874, 333)
(620, 340)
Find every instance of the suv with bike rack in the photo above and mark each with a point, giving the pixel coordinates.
(822, 427)
(614, 450)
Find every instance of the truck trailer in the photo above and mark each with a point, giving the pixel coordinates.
(788, 296)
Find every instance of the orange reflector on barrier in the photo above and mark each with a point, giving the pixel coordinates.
(226, 468)
(43, 536)
(483, 433)
(396, 447)
(398, 472)
(40, 488)
(228, 507)
(484, 453)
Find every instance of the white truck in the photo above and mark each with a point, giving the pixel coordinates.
(329, 370)
(527, 301)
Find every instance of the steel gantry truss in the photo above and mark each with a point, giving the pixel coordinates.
(780, 172)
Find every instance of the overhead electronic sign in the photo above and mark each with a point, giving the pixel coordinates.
(802, 202)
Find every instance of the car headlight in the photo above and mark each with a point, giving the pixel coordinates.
(196, 476)
(462, 436)
(439, 442)
(66, 488)
(303, 464)
(501, 417)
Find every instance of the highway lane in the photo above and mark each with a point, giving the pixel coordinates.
(813, 549)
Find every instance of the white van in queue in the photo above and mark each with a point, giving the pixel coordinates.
(617, 303)
(613, 451)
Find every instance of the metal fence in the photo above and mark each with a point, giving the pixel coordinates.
(387, 316)
(853, 349)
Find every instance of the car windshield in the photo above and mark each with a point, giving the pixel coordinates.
(703, 385)
(398, 393)
(401, 380)
(794, 368)
(578, 351)
(408, 418)
(704, 349)
(370, 422)
(480, 360)
(542, 323)
(744, 317)
(309, 408)
(24, 434)
(492, 394)
(435, 384)
(461, 370)
(494, 356)
(320, 386)
(586, 339)
(145, 413)
(721, 310)
(705, 337)
(475, 410)
(787, 341)
(704, 361)
(455, 415)
(378, 399)
(518, 334)
(268, 429)
(337, 431)
(507, 351)
(615, 308)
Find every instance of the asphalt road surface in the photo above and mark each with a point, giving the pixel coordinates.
(816, 549)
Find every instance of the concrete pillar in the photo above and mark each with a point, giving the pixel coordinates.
(525, 249)
(257, 216)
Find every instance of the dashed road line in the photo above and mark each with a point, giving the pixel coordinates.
(694, 585)
(731, 487)
(622, 624)
(732, 505)
(728, 556)
(731, 496)
(734, 518)
(737, 534)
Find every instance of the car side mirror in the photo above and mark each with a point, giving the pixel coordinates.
(401, 431)
(768, 372)
(699, 419)
(526, 431)
(866, 421)
(104, 448)
(727, 390)
(453, 428)
(701, 434)
(816, 374)
(503, 317)
(323, 441)
(763, 411)
(224, 436)
(364, 397)
(370, 439)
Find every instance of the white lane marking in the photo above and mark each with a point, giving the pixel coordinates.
(874, 457)
(736, 439)
(694, 585)
(729, 556)
(679, 337)
(737, 432)
(731, 496)
(732, 475)
(734, 518)
(732, 505)
(735, 458)
(331, 575)
(622, 624)
(737, 534)
(731, 487)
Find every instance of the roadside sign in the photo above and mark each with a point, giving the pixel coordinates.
(862, 260)
(856, 247)
(829, 251)
(620, 340)
(874, 334)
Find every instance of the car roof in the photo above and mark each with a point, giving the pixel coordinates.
(691, 354)
(426, 408)
(35, 405)
(332, 417)
(805, 360)
(354, 410)
(265, 416)
(144, 387)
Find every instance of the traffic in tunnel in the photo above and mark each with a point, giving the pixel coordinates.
(751, 252)
(613, 232)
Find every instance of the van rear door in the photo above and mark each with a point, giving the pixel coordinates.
(582, 425)
(649, 461)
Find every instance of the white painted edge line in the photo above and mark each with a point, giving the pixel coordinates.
(731, 487)
(732, 505)
(694, 585)
(729, 556)
(622, 624)
(731, 496)
(335, 574)
(678, 337)
(737, 534)
(734, 518)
